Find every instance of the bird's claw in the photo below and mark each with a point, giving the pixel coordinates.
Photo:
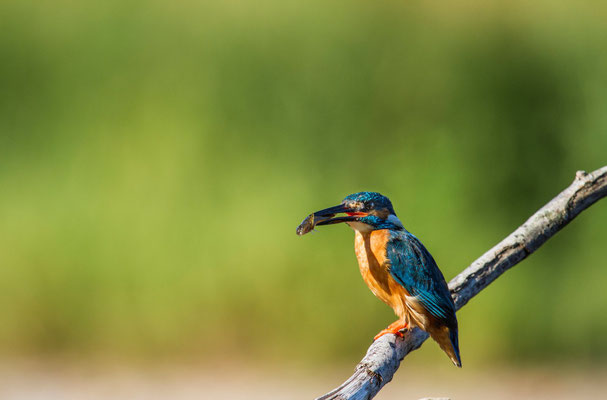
(397, 330)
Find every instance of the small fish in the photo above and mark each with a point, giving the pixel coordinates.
(306, 225)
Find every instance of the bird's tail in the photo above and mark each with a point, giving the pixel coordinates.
(448, 340)
(454, 355)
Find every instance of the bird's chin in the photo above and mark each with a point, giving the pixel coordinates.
(360, 226)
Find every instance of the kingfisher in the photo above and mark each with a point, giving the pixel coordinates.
(397, 268)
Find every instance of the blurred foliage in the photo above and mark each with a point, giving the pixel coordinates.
(156, 157)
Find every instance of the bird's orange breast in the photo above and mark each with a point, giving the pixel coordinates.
(371, 254)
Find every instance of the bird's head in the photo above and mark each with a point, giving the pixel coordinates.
(364, 212)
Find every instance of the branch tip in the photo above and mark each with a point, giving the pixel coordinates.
(581, 174)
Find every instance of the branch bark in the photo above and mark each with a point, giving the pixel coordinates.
(383, 358)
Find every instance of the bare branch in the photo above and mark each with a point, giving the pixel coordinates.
(385, 354)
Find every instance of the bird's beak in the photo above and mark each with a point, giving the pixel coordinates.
(327, 217)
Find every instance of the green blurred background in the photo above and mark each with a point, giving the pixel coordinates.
(156, 157)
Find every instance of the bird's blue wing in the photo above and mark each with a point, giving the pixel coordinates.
(412, 266)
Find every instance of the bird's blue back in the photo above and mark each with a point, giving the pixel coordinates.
(412, 266)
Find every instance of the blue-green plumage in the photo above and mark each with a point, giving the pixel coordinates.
(412, 266)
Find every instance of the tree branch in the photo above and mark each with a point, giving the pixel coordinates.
(385, 354)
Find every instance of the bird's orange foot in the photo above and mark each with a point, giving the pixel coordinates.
(394, 328)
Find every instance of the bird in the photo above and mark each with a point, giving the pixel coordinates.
(397, 267)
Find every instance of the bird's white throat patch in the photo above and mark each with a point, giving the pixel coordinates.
(360, 226)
